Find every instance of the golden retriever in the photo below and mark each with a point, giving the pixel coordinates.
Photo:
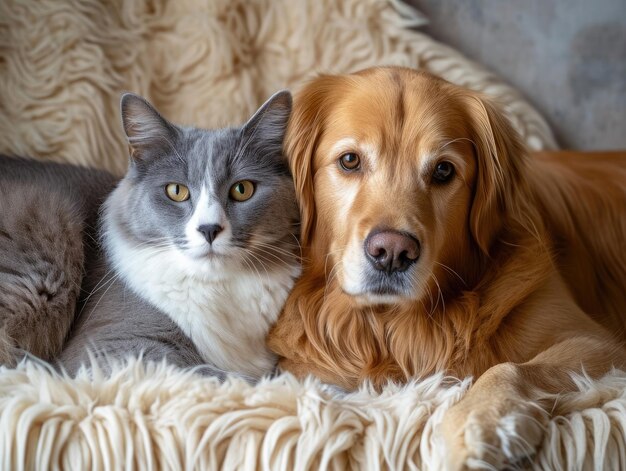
(434, 241)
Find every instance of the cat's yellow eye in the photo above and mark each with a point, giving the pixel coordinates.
(242, 191)
(177, 192)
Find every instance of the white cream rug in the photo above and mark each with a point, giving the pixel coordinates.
(63, 64)
(159, 417)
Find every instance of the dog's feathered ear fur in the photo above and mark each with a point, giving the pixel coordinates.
(500, 157)
(303, 133)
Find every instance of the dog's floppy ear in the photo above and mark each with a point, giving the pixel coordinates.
(305, 127)
(500, 156)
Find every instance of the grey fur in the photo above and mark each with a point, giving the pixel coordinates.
(112, 320)
(46, 227)
(119, 323)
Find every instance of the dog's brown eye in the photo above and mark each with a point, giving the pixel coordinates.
(350, 161)
(443, 172)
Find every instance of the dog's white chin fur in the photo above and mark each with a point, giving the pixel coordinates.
(352, 283)
(372, 299)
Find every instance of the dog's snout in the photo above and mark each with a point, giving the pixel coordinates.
(391, 251)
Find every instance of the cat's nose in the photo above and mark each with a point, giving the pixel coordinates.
(210, 231)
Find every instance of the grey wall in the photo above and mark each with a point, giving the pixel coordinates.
(567, 56)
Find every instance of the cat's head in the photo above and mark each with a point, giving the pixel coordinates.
(221, 199)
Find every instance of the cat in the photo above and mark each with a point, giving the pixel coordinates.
(189, 257)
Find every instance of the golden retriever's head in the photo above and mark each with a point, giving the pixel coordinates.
(402, 178)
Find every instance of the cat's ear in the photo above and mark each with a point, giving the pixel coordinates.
(146, 130)
(269, 123)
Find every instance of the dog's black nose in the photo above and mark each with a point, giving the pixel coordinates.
(391, 251)
(210, 231)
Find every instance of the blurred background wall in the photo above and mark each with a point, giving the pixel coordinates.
(567, 56)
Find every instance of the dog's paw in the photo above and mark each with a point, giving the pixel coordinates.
(491, 434)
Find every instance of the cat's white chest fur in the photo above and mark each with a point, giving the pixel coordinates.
(227, 311)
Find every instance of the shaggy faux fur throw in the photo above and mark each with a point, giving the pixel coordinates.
(63, 64)
(159, 417)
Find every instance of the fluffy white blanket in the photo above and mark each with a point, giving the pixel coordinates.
(159, 417)
(63, 64)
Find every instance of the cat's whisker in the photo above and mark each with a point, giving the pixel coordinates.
(279, 260)
(276, 250)
(271, 261)
(259, 260)
(156, 243)
(97, 287)
(252, 266)
(111, 280)
(111, 283)
(260, 263)
(288, 249)
(114, 268)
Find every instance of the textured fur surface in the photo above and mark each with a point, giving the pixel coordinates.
(202, 63)
(158, 417)
(46, 227)
(40, 279)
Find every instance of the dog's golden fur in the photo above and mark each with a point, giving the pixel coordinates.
(522, 273)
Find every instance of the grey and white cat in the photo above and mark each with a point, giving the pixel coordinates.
(195, 254)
